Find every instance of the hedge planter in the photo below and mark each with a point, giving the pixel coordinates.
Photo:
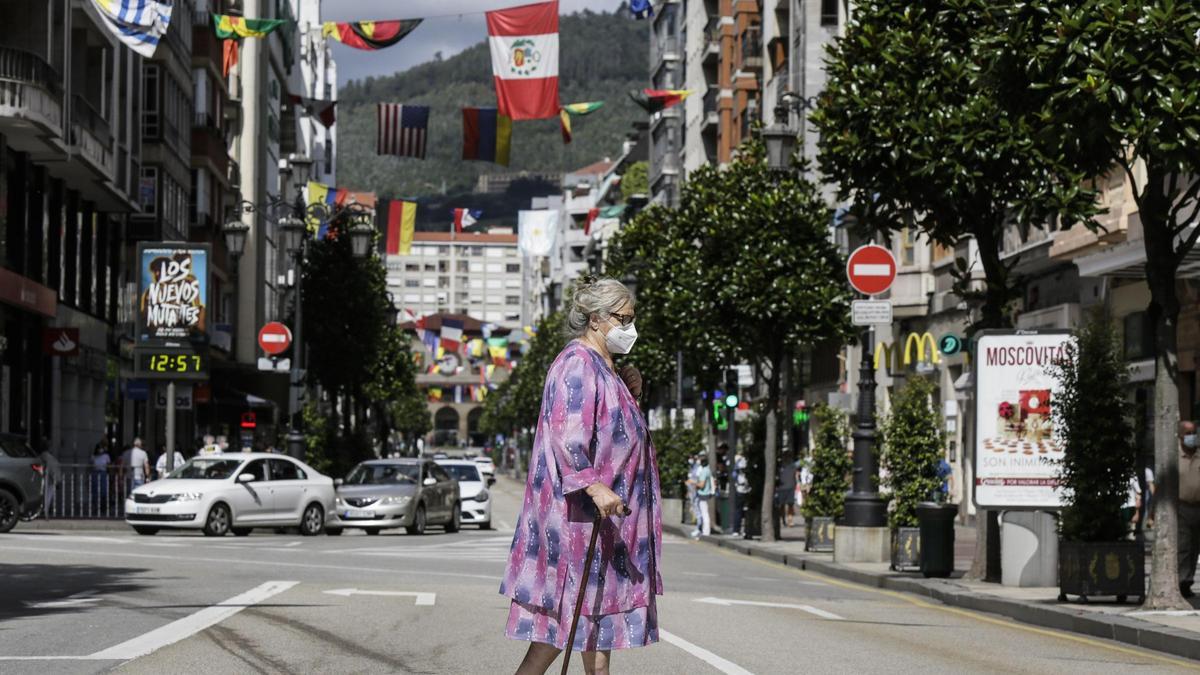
(906, 549)
(1088, 569)
(818, 534)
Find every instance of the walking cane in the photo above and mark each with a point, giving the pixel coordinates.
(587, 569)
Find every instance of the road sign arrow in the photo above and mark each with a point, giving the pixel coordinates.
(422, 599)
(724, 602)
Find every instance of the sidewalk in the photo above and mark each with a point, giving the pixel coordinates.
(1176, 633)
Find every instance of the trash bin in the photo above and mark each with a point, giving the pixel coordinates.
(937, 538)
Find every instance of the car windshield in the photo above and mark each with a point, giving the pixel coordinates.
(462, 472)
(382, 474)
(206, 468)
(15, 447)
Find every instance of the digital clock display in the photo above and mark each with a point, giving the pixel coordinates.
(172, 363)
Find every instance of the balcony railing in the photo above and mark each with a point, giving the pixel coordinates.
(710, 100)
(21, 66)
(752, 48)
(83, 114)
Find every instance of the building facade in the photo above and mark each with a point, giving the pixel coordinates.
(477, 274)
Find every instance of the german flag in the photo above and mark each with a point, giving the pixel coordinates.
(657, 100)
(369, 35)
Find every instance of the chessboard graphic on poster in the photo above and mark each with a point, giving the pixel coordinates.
(1017, 449)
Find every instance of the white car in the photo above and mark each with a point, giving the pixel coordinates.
(486, 465)
(476, 501)
(234, 493)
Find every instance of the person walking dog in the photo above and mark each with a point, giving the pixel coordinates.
(592, 461)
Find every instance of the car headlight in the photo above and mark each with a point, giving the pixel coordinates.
(187, 497)
(482, 496)
(339, 501)
(401, 500)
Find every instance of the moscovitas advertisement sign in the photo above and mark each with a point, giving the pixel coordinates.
(173, 287)
(1017, 448)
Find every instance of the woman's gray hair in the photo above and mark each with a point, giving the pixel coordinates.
(591, 295)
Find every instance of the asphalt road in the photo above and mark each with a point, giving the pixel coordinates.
(87, 602)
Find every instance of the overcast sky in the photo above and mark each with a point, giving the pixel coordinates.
(442, 30)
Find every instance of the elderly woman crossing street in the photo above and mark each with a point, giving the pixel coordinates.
(592, 456)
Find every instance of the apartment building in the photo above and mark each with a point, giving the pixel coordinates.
(666, 127)
(477, 274)
(69, 172)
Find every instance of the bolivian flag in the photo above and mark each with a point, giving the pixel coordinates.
(228, 26)
(657, 100)
(564, 115)
(369, 35)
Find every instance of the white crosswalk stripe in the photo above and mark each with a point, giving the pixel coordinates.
(490, 549)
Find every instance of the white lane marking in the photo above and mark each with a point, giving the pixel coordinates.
(77, 600)
(274, 563)
(703, 654)
(47, 538)
(870, 270)
(423, 599)
(812, 583)
(700, 574)
(192, 624)
(783, 605)
(505, 525)
(294, 543)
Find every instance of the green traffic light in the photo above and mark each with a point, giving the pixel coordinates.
(731, 401)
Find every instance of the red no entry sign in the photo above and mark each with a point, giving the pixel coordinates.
(274, 338)
(871, 269)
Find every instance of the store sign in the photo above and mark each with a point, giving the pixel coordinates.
(183, 397)
(1016, 445)
(173, 292)
(60, 341)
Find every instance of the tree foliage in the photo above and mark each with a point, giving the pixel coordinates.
(636, 180)
(915, 135)
(912, 443)
(1092, 418)
(516, 403)
(831, 465)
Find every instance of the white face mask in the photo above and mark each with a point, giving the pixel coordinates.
(620, 339)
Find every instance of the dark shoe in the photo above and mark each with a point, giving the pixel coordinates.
(1186, 590)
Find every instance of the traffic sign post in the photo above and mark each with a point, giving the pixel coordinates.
(871, 269)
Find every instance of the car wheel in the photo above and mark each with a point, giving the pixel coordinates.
(312, 522)
(10, 510)
(333, 531)
(486, 525)
(145, 531)
(418, 525)
(241, 531)
(218, 521)
(371, 530)
(455, 521)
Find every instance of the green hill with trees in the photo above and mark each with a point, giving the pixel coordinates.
(602, 57)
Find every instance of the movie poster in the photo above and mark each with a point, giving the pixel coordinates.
(173, 292)
(1016, 445)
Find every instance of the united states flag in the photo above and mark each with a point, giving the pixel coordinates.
(403, 130)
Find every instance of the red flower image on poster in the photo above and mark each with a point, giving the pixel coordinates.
(1035, 402)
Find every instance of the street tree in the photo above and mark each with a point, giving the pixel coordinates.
(1114, 85)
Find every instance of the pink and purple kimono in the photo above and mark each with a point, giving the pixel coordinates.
(590, 430)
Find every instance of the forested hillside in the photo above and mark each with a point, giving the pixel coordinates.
(603, 56)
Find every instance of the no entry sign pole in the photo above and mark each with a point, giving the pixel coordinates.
(871, 270)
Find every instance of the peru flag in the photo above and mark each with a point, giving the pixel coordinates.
(524, 43)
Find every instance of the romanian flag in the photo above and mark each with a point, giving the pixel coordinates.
(657, 100)
(396, 220)
(331, 198)
(369, 35)
(487, 135)
(228, 26)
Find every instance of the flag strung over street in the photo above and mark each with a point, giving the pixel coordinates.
(403, 130)
(466, 218)
(585, 108)
(451, 334)
(319, 193)
(369, 35)
(487, 135)
(228, 27)
(229, 56)
(656, 100)
(524, 45)
(138, 24)
(536, 231)
(318, 108)
(396, 220)
(430, 340)
(641, 9)
(564, 122)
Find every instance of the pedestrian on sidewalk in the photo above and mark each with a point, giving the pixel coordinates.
(137, 464)
(591, 459)
(160, 466)
(100, 462)
(706, 488)
(692, 484)
(1189, 507)
(741, 493)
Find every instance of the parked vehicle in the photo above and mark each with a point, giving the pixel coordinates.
(234, 493)
(22, 480)
(486, 465)
(472, 491)
(390, 493)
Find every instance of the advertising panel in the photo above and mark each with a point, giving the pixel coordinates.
(173, 289)
(1016, 445)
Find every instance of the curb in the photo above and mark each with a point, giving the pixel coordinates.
(1124, 629)
(97, 524)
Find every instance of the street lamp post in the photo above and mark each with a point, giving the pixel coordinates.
(235, 233)
(292, 233)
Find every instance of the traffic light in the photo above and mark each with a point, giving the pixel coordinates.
(800, 414)
(720, 414)
(731, 400)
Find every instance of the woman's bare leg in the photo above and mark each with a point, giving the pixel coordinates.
(537, 659)
(596, 663)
